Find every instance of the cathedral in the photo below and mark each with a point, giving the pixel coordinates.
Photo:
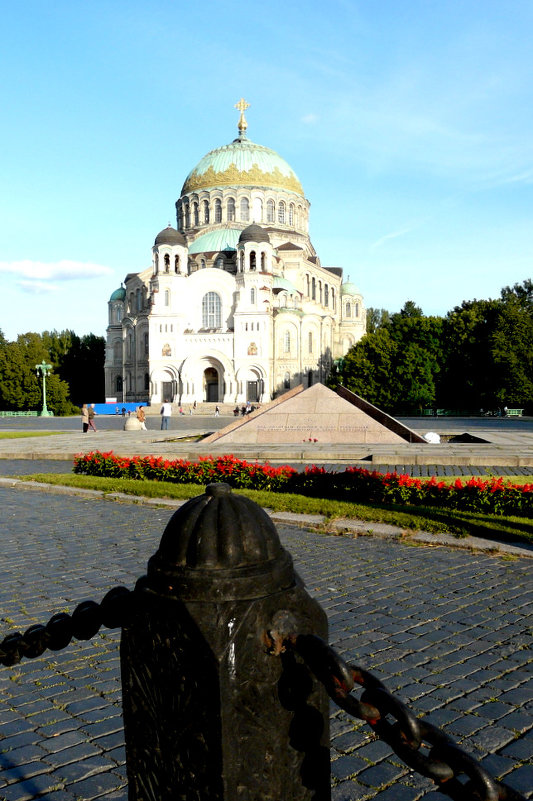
(236, 305)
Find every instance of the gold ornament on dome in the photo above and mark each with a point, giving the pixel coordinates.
(232, 176)
(242, 105)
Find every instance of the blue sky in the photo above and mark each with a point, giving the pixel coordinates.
(409, 125)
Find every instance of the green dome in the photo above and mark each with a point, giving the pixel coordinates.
(349, 289)
(284, 283)
(242, 163)
(118, 294)
(213, 241)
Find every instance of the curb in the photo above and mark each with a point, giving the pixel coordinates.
(338, 527)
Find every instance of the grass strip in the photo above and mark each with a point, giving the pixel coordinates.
(455, 522)
(25, 434)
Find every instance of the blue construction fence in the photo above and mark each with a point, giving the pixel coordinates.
(116, 408)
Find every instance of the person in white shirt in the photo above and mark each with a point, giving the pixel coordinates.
(166, 413)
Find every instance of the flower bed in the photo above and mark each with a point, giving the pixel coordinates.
(236, 472)
(355, 484)
(493, 495)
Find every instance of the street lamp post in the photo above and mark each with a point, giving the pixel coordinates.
(44, 369)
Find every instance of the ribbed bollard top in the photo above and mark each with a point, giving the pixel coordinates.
(220, 546)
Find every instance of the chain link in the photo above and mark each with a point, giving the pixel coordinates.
(422, 746)
(86, 620)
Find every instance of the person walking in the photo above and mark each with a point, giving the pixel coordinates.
(166, 414)
(141, 417)
(217, 411)
(92, 415)
(84, 418)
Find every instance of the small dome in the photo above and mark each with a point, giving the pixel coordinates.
(254, 233)
(349, 289)
(169, 236)
(118, 294)
(222, 545)
(284, 283)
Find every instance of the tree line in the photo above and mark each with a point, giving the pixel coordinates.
(77, 371)
(478, 357)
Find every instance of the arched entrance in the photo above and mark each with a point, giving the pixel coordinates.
(251, 384)
(211, 385)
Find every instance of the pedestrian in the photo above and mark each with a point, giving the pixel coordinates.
(166, 413)
(181, 410)
(217, 411)
(91, 413)
(141, 417)
(194, 406)
(84, 418)
(117, 410)
(123, 411)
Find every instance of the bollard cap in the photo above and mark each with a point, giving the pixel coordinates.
(220, 546)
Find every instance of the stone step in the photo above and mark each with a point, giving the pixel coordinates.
(204, 409)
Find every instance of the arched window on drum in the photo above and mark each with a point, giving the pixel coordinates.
(211, 310)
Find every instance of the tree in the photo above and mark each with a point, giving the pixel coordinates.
(376, 318)
(368, 368)
(80, 362)
(511, 344)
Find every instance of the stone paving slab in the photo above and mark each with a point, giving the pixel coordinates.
(448, 630)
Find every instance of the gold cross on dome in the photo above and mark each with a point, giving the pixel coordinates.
(242, 105)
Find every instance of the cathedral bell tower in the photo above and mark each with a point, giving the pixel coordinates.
(253, 321)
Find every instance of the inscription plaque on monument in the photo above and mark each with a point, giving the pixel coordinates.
(316, 413)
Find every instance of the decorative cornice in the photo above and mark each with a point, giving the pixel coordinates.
(232, 176)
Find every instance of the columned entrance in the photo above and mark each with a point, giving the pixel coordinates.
(167, 391)
(252, 391)
(211, 385)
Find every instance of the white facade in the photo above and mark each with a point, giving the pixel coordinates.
(231, 310)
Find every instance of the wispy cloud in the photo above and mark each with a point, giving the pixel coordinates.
(63, 270)
(310, 119)
(394, 235)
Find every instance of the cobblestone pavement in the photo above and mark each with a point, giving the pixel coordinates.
(447, 630)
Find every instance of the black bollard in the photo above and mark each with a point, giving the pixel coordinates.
(210, 713)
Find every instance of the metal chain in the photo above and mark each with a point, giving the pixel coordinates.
(422, 746)
(86, 620)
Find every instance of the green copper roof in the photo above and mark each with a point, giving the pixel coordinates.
(242, 163)
(349, 289)
(219, 239)
(283, 283)
(118, 294)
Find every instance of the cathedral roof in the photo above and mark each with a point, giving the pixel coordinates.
(289, 246)
(242, 163)
(254, 233)
(169, 236)
(118, 294)
(218, 239)
(349, 289)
